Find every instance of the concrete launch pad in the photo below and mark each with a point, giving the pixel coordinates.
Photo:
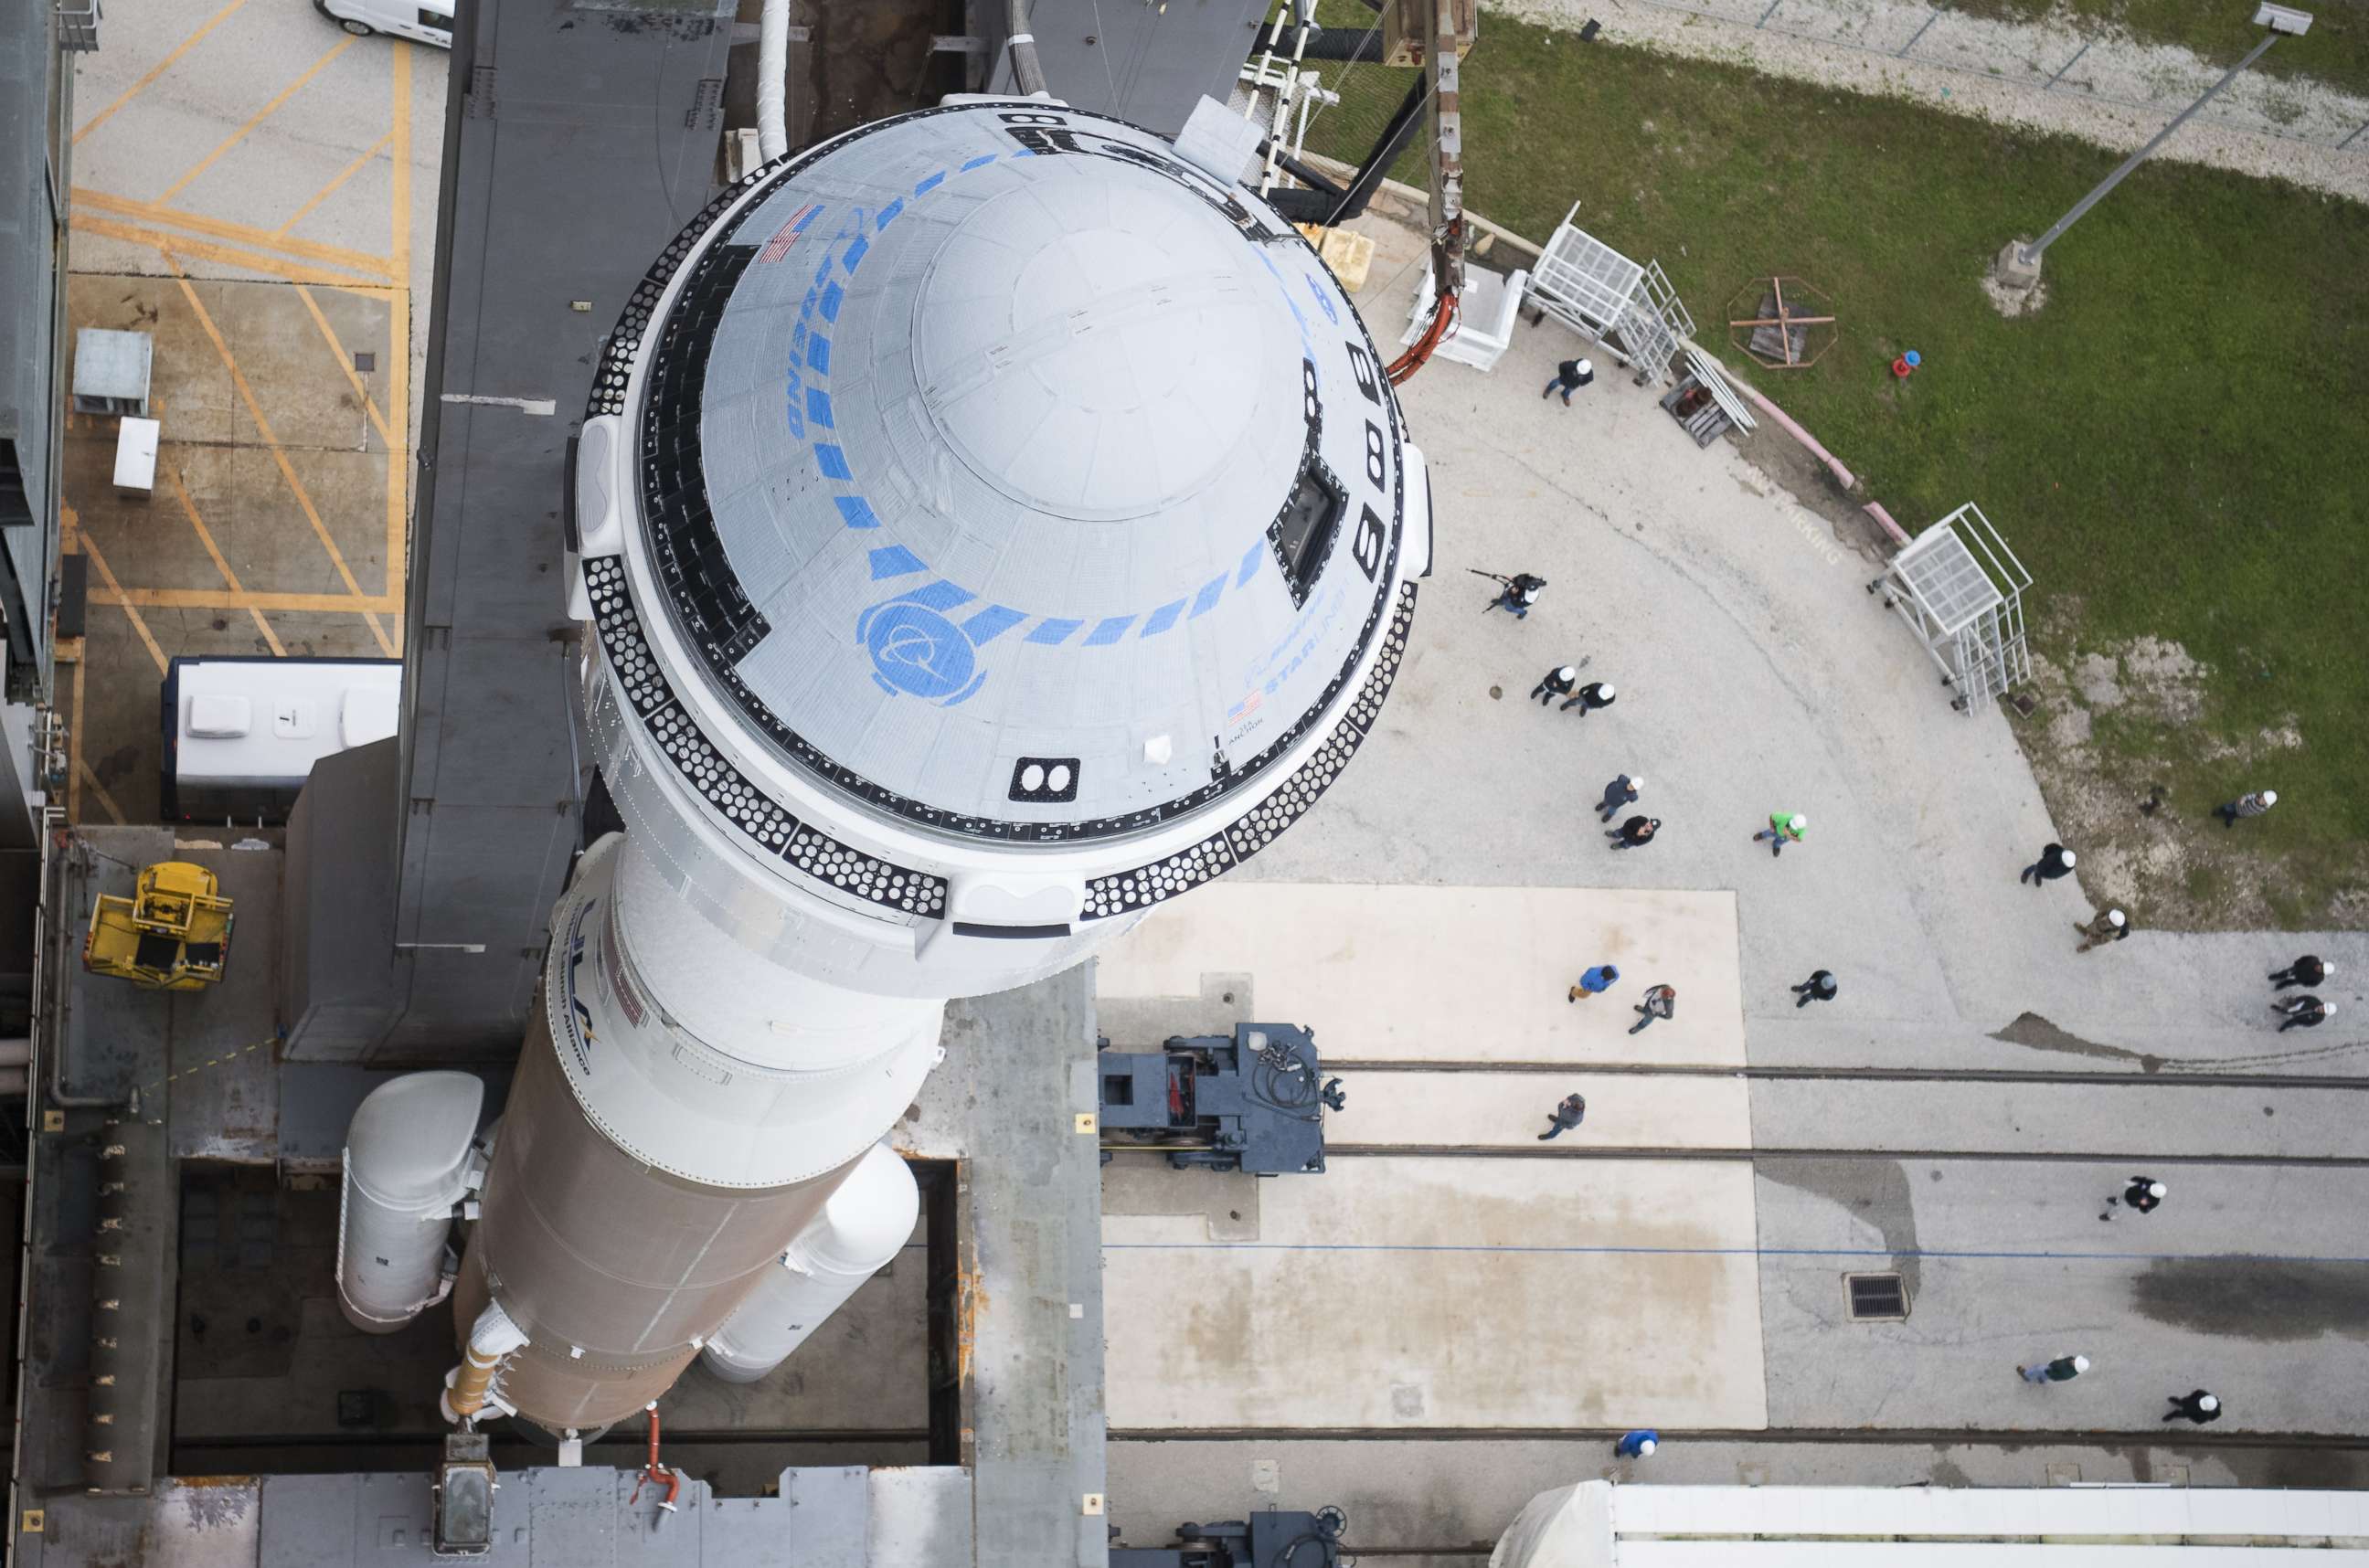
(1460, 1293)
(1415, 973)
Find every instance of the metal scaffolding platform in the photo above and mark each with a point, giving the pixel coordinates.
(1627, 306)
(1961, 589)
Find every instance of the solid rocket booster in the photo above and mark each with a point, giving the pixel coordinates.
(989, 524)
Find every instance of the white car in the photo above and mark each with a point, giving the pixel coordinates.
(427, 21)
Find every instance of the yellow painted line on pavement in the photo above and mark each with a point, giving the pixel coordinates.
(189, 510)
(346, 363)
(398, 332)
(260, 115)
(136, 88)
(334, 186)
(238, 234)
(107, 574)
(249, 598)
(287, 470)
(133, 234)
(99, 790)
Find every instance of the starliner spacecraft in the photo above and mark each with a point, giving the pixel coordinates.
(989, 524)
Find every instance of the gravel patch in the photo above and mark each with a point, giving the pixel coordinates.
(2117, 94)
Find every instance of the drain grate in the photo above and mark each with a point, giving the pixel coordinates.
(1876, 1298)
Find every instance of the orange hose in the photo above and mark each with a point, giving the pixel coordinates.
(656, 1473)
(1443, 316)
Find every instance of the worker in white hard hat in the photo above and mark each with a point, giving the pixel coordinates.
(1620, 792)
(2201, 1407)
(2112, 925)
(2055, 861)
(2143, 1195)
(1637, 1445)
(2306, 971)
(1784, 828)
(2304, 1013)
(2251, 804)
(2064, 1370)
(1588, 698)
(1569, 377)
(1555, 682)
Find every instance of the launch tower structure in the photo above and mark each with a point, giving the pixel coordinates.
(988, 526)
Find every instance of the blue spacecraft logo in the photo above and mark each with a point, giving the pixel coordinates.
(916, 651)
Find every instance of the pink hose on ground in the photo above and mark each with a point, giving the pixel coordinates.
(1834, 464)
(1875, 509)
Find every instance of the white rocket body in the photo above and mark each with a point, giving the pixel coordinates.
(407, 1169)
(860, 1232)
(989, 525)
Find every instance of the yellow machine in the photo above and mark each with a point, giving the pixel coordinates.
(172, 935)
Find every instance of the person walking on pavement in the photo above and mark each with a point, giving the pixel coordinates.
(1565, 1116)
(2055, 861)
(2201, 1407)
(1554, 683)
(1661, 1002)
(2064, 1370)
(2305, 971)
(1570, 376)
(1588, 698)
(1598, 978)
(2304, 1013)
(2112, 925)
(2144, 1196)
(1784, 827)
(1519, 594)
(1620, 792)
(1637, 1445)
(2251, 804)
(1635, 831)
(1819, 987)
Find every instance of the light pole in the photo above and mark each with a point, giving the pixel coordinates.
(2017, 266)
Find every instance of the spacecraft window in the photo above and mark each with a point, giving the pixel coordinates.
(1304, 529)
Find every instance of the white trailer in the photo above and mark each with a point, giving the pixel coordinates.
(242, 734)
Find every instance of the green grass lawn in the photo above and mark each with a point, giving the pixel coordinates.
(2177, 446)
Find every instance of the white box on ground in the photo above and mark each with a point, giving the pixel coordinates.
(135, 455)
(1484, 318)
(110, 371)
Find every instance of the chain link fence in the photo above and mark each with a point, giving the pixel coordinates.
(2108, 68)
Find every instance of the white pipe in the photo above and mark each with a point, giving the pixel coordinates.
(772, 72)
(13, 1080)
(858, 1233)
(17, 1050)
(407, 1164)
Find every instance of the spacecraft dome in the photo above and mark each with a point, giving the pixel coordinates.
(1009, 480)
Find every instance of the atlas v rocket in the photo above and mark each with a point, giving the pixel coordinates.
(988, 526)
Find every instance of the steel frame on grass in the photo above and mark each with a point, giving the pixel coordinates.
(1627, 306)
(1959, 589)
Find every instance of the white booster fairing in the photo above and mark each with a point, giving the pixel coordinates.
(988, 526)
